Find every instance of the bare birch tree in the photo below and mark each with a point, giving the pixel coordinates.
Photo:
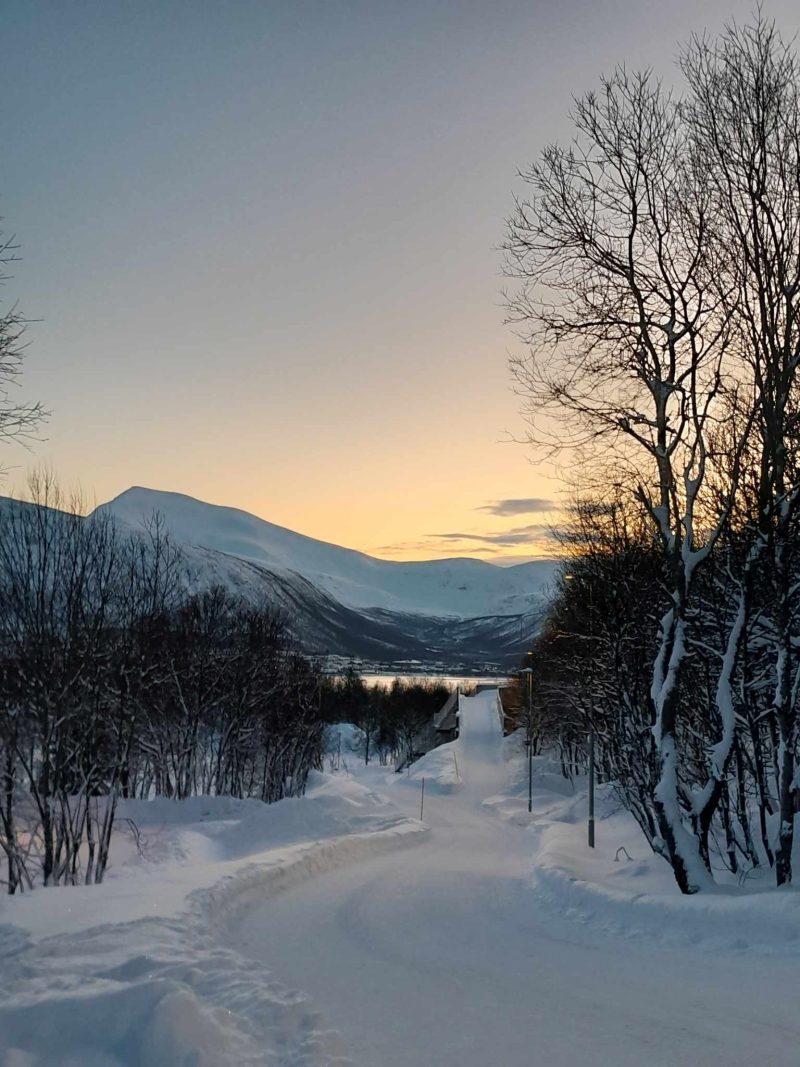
(660, 262)
(743, 112)
(18, 420)
(629, 351)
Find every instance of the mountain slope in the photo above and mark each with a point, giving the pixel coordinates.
(453, 588)
(325, 626)
(458, 614)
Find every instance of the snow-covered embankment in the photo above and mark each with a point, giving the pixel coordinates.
(134, 972)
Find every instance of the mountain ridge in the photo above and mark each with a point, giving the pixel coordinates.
(434, 615)
(457, 588)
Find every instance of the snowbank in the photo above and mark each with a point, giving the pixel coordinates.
(150, 994)
(620, 887)
(221, 904)
(132, 972)
(439, 768)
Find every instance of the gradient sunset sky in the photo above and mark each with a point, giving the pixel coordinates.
(261, 239)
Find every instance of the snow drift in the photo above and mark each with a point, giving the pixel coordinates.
(133, 972)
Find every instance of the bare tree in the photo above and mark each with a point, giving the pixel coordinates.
(115, 679)
(660, 261)
(629, 347)
(18, 420)
(743, 113)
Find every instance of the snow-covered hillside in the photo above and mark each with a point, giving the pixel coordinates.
(453, 588)
(456, 614)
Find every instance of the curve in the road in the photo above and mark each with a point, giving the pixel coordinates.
(438, 956)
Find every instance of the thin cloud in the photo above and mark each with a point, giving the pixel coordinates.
(519, 535)
(529, 505)
(505, 539)
(404, 546)
(436, 546)
(533, 537)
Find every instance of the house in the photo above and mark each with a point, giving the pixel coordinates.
(440, 728)
(513, 708)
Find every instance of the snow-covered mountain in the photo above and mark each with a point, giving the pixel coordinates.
(454, 612)
(458, 588)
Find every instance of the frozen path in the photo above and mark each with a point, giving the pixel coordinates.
(437, 955)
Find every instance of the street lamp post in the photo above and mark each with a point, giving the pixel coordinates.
(529, 735)
(591, 786)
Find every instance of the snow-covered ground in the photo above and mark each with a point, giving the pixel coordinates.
(483, 947)
(136, 971)
(622, 888)
(498, 940)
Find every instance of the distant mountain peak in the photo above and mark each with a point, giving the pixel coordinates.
(457, 588)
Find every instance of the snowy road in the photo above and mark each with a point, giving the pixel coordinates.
(438, 955)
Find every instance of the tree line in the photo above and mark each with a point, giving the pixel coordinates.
(388, 719)
(120, 678)
(117, 681)
(658, 257)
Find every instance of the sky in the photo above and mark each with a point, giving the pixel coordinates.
(259, 245)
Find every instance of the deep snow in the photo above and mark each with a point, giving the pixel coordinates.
(301, 934)
(135, 972)
(444, 955)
